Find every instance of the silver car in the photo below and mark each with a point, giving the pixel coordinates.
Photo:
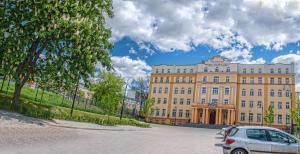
(258, 139)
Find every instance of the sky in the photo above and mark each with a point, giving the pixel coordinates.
(147, 33)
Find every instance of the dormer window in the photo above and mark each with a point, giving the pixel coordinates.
(217, 69)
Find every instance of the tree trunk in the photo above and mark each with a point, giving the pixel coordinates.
(16, 96)
(86, 100)
(3, 82)
(8, 85)
(36, 93)
(74, 98)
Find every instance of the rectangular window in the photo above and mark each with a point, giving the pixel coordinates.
(190, 80)
(152, 112)
(287, 93)
(251, 104)
(156, 71)
(287, 81)
(279, 80)
(177, 80)
(258, 118)
(288, 120)
(191, 70)
(183, 79)
(165, 100)
(154, 90)
(243, 103)
(169, 71)
(176, 90)
(251, 92)
(251, 117)
(252, 80)
(187, 113)
(162, 71)
(279, 119)
(259, 92)
(189, 90)
(227, 79)
(260, 80)
(180, 113)
(244, 92)
(178, 70)
(287, 70)
(204, 80)
(244, 71)
(203, 90)
(271, 80)
(175, 101)
(188, 101)
(252, 70)
(242, 116)
(279, 93)
(214, 101)
(153, 100)
(202, 101)
(259, 70)
(279, 70)
(287, 105)
(167, 79)
(226, 92)
(244, 80)
(161, 80)
(163, 112)
(157, 112)
(215, 91)
(225, 101)
(158, 100)
(279, 105)
(272, 93)
(216, 79)
(181, 101)
(184, 70)
(182, 90)
(272, 104)
(259, 104)
(166, 90)
(174, 113)
(160, 90)
(272, 71)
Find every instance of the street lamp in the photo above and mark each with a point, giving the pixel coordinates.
(262, 115)
(175, 114)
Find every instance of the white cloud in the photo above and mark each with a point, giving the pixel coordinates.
(129, 68)
(176, 24)
(241, 56)
(290, 58)
(132, 51)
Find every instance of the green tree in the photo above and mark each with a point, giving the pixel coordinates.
(296, 116)
(108, 92)
(146, 109)
(269, 117)
(69, 36)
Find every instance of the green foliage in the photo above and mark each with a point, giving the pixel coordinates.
(67, 38)
(108, 92)
(269, 117)
(296, 116)
(47, 111)
(145, 110)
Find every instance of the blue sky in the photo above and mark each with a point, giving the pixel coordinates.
(155, 32)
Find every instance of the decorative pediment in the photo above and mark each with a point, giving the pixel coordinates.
(217, 60)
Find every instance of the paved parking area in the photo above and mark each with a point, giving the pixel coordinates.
(73, 137)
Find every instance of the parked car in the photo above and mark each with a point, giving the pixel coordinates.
(258, 139)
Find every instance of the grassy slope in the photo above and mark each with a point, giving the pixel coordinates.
(51, 108)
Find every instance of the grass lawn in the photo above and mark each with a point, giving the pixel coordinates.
(51, 108)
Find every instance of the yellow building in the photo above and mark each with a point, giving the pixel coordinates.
(220, 92)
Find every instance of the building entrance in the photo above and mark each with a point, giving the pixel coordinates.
(212, 117)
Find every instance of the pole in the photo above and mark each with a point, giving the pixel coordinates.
(74, 98)
(249, 117)
(292, 124)
(122, 109)
(262, 115)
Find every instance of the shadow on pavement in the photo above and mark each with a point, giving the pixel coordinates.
(20, 118)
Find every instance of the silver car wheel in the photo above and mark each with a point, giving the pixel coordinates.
(239, 151)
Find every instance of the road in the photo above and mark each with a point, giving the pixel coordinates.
(19, 134)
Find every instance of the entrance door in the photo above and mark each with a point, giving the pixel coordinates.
(212, 117)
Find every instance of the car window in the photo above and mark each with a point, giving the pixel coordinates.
(233, 131)
(280, 137)
(256, 134)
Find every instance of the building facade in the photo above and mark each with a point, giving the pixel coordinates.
(220, 92)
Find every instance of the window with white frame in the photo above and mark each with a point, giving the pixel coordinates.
(175, 101)
(226, 101)
(187, 113)
(244, 80)
(163, 112)
(202, 101)
(279, 105)
(189, 90)
(251, 104)
(244, 70)
(272, 93)
(181, 101)
(287, 105)
(154, 90)
(215, 91)
(251, 117)
(182, 90)
(252, 70)
(160, 90)
(243, 103)
(258, 117)
(158, 100)
(228, 69)
(216, 79)
(251, 92)
(259, 92)
(227, 79)
(184, 70)
(271, 80)
(165, 100)
(226, 91)
(161, 80)
(183, 79)
(287, 93)
(188, 101)
(259, 104)
(252, 80)
(288, 119)
(287, 70)
(287, 81)
(243, 92)
(217, 69)
(279, 70)
(174, 113)
(177, 80)
(259, 70)
(178, 70)
(205, 69)
(203, 90)
(279, 93)
(167, 80)
(176, 91)
(157, 112)
(272, 104)
(260, 81)
(272, 71)
(279, 118)
(166, 90)
(204, 80)
(279, 80)
(169, 71)
(242, 116)
(180, 113)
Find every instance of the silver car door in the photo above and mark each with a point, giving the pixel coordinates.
(282, 143)
(257, 141)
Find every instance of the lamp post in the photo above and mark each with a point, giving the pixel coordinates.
(175, 115)
(249, 117)
(262, 115)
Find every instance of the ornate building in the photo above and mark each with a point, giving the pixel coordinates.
(220, 92)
